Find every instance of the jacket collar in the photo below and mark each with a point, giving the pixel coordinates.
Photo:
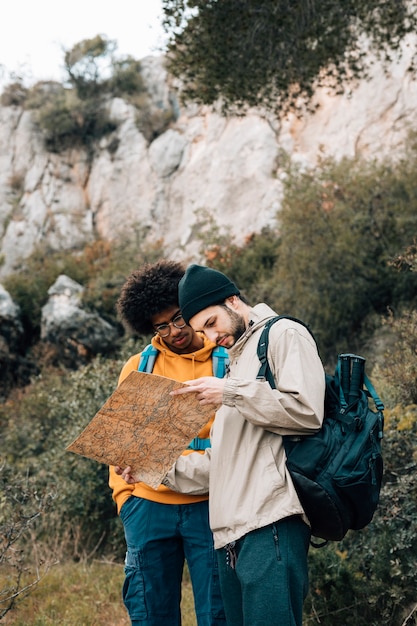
(258, 316)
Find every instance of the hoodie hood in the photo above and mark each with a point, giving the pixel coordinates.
(169, 362)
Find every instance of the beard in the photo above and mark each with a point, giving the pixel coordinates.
(238, 326)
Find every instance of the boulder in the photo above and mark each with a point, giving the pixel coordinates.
(79, 334)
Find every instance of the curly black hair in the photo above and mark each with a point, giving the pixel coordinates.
(149, 291)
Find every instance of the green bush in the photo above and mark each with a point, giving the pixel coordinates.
(78, 114)
(14, 94)
(329, 261)
(29, 287)
(67, 121)
(398, 371)
(38, 425)
(370, 577)
(39, 94)
(21, 506)
(100, 267)
(126, 79)
(341, 225)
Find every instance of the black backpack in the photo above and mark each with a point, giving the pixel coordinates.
(337, 472)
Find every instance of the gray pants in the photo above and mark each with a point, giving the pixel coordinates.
(264, 575)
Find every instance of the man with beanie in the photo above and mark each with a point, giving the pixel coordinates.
(163, 528)
(261, 533)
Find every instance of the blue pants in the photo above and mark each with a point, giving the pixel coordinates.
(159, 538)
(264, 575)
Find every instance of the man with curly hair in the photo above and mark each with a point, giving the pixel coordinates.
(164, 528)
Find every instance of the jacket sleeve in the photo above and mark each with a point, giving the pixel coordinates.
(296, 406)
(190, 474)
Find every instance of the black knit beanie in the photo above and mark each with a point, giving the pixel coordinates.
(201, 287)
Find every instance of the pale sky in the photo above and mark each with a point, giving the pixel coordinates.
(34, 32)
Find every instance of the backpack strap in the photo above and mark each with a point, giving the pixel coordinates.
(199, 444)
(373, 394)
(147, 359)
(265, 371)
(220, 359)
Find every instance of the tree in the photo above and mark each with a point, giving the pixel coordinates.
(86, 62)
(275, 53)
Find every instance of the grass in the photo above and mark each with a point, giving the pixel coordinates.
(88, 594)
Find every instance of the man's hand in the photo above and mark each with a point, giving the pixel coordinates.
(125, 474)
(209, 389)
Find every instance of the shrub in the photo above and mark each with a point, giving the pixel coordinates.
(341, 225)
(29, 287)
(329, 261)
(78, 114)
(370, 577)
(126, 79)
(38, 425)
(101, 267)
(21, 505)
(67, 121)
(13, 94)
(398, 372)
(40, 93)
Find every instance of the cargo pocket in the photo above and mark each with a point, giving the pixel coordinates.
(134, 586)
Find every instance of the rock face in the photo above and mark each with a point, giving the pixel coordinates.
(204, 164)
(70, 335)
(66, 324)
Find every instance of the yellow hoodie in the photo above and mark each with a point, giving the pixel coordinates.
(180, 367)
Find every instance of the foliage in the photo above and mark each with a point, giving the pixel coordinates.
(341, 226)
(21, 504)
(94, 69)
(29, 287)
(275, 54)
(67, 121)
(109, 266)
(370, 577)
(38, 425)
(152, 121)
(85, 63)
(126, 78)
(78, 115)
(14, 94)
(100, 267)
(331, 259)
(250, 266)
(399, 368)
(41, 92)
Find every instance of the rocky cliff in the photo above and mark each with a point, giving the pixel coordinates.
(203, 164)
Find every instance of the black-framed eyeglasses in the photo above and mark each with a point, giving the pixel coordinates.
(163, 330)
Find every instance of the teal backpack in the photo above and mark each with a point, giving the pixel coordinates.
(220, 360)
(337, 472)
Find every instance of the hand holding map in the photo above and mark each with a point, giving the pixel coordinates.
(143, 426)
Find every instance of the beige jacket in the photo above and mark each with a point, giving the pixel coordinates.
(244, 471)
